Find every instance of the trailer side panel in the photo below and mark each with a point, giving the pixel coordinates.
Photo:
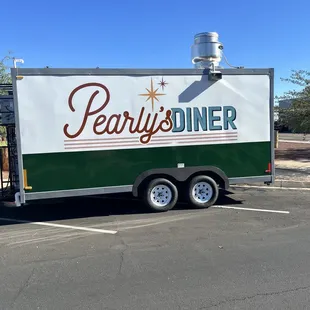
(94, 131)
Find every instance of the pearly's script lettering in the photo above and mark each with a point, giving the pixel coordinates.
(147, 124)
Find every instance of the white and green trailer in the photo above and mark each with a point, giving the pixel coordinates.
(159, 134)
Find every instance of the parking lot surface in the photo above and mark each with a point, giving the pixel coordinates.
(250, 251)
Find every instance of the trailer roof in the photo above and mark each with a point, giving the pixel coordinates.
(135, 72)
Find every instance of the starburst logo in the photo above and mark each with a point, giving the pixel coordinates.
(152, 94)
(162, 84)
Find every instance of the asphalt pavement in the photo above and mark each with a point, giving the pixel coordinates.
(250, 251)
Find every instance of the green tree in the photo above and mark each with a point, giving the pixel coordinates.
(297, 115)
(5, 78)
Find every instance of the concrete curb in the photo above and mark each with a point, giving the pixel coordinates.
(279, 184)
(290, 183)
(295, 141)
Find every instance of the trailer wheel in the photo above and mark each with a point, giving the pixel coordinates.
(202, 191)
(160, 195)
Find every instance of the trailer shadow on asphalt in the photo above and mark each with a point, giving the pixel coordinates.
(87, 207)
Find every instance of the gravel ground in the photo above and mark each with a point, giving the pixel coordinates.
(293, 151)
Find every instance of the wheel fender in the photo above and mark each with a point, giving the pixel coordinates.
(178, 174)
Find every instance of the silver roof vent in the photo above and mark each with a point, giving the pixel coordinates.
(206, 50)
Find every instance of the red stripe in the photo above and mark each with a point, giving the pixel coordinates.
(155, 137)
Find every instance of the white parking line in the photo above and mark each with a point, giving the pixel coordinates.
(273, 187)
(168, 219)
(251, 209)
(102, 231)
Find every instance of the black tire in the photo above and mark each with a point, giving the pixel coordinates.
(212, 190)
(155, 185)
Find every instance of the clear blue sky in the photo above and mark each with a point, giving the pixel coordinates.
(156, 34)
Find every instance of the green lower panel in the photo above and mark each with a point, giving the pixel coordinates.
(75, 170)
